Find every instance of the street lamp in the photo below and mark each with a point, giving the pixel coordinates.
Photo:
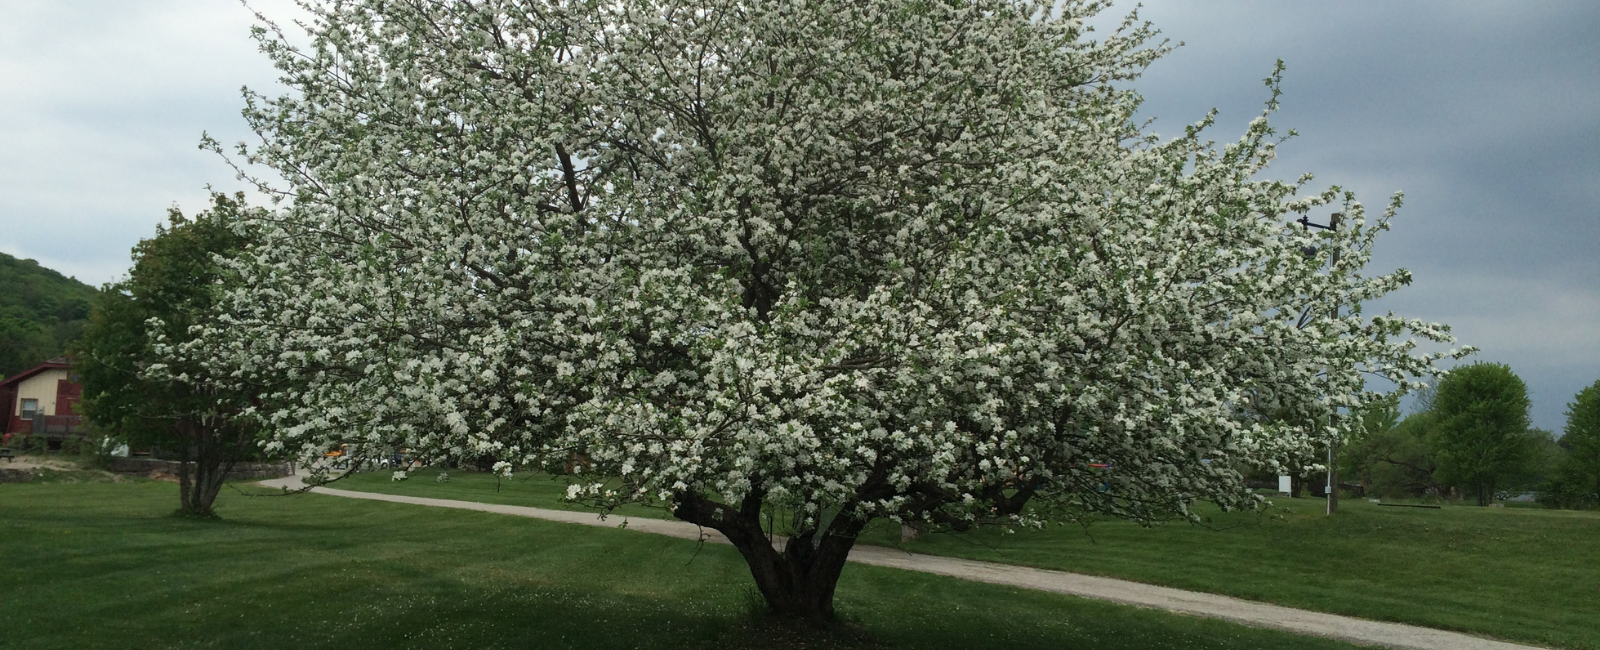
(1333, 473)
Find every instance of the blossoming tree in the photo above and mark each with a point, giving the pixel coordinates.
(789, 268)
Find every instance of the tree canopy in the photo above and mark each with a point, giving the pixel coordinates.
(785, 268)
(40, 312)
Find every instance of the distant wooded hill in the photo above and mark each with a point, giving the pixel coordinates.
(40, 311)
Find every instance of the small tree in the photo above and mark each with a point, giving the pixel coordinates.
(1397, 462)
(787, 268)
(1576, 480)
(1372, 423)
(127, 391)
(1481, 437)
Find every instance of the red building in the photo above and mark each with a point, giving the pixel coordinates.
(43, 399)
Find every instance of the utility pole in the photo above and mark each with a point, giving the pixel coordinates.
(1333, 444)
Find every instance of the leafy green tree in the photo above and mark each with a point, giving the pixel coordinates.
(1576, 480)
(1371, 423)
(1582, 437)
(1482, 438)
(173, 286)
(1543, 462)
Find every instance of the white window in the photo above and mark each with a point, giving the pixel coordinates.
(29, 408)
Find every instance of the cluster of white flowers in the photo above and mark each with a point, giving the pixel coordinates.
(883, 258)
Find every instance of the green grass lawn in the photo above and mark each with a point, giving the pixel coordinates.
(1520, 574)
(524, 489)
(103, 565)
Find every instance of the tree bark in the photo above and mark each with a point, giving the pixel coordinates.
(185, 484)
(798, 581)
(204, 468)
(209, 477)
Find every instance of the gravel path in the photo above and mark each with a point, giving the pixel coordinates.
(1344, 628)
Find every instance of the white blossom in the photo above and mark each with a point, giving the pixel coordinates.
(879, 258)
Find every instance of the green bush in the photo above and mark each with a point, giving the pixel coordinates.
(1570, 487)
(72, 446)
(1567, 492)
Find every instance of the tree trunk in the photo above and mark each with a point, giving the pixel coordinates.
(185, 484)
(797, 582)
(202, 473)
(208, 479)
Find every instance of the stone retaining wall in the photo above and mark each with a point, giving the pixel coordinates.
(240, 471)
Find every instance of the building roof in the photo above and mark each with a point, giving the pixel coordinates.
(52, 364)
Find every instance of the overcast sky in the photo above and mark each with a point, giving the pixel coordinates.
(1487, 116)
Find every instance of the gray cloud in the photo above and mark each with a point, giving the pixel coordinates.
(1484, 113)
(104, 104)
